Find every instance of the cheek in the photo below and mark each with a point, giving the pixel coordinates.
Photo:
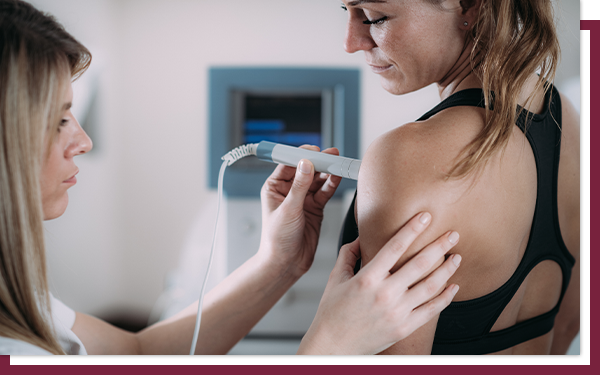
(53, 194)
(54, 199)
(48, 177)
(405, 46)
(388, 40)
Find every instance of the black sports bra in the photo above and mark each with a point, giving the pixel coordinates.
(464, 327)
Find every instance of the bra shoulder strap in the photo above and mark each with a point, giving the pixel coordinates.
(468, 97)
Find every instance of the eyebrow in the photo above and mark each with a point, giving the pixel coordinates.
(360, 2)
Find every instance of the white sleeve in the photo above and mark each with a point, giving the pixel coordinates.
(16, 347)
(62, 314)
(63, 318)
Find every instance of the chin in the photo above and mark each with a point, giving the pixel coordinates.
(397, 88)
(57, 209)
(392, 87)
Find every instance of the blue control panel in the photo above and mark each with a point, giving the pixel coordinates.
(293, 106)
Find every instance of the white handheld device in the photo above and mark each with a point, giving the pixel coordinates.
(289, 155)
(325, 163)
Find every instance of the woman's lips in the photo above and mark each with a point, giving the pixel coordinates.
(72, 179)
(379, 68)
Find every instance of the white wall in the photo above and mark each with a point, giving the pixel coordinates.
(141, 188)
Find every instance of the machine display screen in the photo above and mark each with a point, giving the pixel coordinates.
(291, 120)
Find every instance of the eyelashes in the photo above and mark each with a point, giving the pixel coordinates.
(369, 22)
(63, 122)
(376, 22)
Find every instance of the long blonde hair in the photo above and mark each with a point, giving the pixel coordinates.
(511, 40)
(37, 58)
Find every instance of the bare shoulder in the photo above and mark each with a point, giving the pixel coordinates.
(423, 149)
(404, 172)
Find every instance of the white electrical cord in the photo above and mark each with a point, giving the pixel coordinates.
(228, 159)
(239, 153)
(281, 154)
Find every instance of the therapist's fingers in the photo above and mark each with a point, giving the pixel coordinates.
(287, 173)
(302, 182)
(423, 262)
(344, 266)
(327, 190)
(283, 173)
(434, 283)
(311, 147)
(397, 245)
(429, 310)
(319, 178)
(328, 183)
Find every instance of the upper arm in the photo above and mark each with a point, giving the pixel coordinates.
(101, 338)
(399, 178)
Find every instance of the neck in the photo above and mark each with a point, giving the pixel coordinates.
(461, 76)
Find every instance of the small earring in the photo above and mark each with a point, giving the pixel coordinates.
(466, 23)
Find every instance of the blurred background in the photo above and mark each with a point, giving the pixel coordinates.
(142, 212)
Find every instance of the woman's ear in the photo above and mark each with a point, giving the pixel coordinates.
(469, 13)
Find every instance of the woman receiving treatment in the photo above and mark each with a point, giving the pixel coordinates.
(39, 138)
(497, 160)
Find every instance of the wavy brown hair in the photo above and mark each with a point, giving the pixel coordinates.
(511, 40)
(37, 59)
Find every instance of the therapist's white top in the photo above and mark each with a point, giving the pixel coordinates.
(63, 319)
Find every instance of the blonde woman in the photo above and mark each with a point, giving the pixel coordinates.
(497, 159)
(39, 138)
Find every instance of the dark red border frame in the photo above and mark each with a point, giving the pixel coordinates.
(594, 27)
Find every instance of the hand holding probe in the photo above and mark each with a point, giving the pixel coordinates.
(289, 155)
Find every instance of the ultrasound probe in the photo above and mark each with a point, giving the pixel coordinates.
(289, 155)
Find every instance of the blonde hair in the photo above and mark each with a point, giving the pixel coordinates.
(511, 40)
(37, 57)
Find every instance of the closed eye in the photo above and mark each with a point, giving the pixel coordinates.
(63, 122)
(376, 22)
(369, 22)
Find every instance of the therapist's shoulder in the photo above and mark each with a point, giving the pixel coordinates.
(16, 347)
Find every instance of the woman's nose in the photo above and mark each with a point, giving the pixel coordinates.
(358, 37)
(81, 143)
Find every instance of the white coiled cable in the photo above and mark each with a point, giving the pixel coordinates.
(239, 153)
(228, 159)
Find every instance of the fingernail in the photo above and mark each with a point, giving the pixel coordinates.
(304, 167)
(455, 289)
(424, 218)
(453, 238)
(456, 258)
